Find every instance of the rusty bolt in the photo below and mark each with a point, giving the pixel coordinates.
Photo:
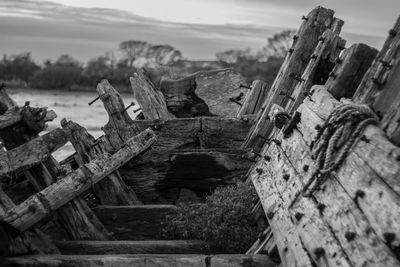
(130, 105)
(319, 252)
(259, 171)
(305, 168)
(267, 158)
(350, 236)
(298, 216)
(360, 193)
(321, 207)
(94, 100)
(286, 177)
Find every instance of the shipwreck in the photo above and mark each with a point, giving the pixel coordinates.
(320, 146)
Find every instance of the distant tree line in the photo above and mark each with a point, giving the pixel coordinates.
(70, 74)
(263, 64)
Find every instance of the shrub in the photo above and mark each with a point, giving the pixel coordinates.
(224, 221)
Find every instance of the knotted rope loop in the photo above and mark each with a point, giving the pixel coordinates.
(335, 138)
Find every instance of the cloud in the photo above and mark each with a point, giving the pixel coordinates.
(49, 29)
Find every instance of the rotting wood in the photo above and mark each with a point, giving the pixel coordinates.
(288, 242)
(318, 20)
(363, 245)
(72, 185)
(140, 222)
(132, 247)
(386, 101)
(143, 260)
(349, 70)
(119, 127)
(75, 217)
(32, 152)
(150, 99)
(254, 99)
(369, 85)
(181, 99)
(111, 190)
(156, 174)
(318, 69)
(217, 87)
(380, 200)
(15, 243)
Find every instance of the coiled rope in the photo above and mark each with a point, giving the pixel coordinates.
(335, 138)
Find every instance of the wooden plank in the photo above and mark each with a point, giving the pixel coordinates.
(118, 128)
(386, 101)
(140, 222)
(317, 70)
(32, 152)
(150, 100)
(340, 212)
(381, 201)
(181, 99)
(291, 251)
(313, 232)
(158, 175)
(72, 185)
(316, 22)
(349, 70)
(15, 243)
(112, 190)
(316, 236)
(254, 99)
(216, 87)
(132, 247)
(152, 260)
(368, 88)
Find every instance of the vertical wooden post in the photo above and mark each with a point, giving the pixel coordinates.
(349, 70)
(371, 84)
(317, 70)
(254, 99)
(297, 58)
(150, 100)
(111, 190)
(119, 127)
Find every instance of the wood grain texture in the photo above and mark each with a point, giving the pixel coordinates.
(367, 89)
(112, 190)
(234, 260)
(254, 99)
(140, 222)
(318, 20)
(72, 185)
(132, 247)
(32, 152)
(349, 70)
(150, 99)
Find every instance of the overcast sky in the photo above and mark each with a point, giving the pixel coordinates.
(89, 28)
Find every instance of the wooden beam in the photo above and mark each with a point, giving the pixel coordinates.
(373, 81)
(317, 71)
(313, 26)
(153, 260)
(349, 70)
(181, 99)
(150, 100)
(15, 243)
(158, 175)
(132, 247)
(72, 185)
(140, 222)
(217, 87)
(32, 152)
(116, 128)
(254, 99)
(111, 190)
